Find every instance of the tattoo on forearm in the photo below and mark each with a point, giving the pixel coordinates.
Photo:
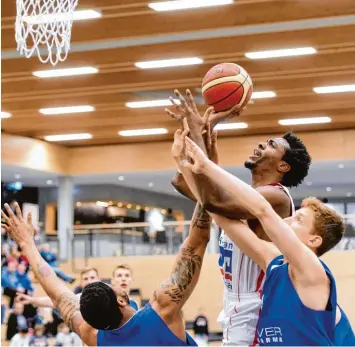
(201, 219)
(182, 276)
(69, 308)
(44, 270)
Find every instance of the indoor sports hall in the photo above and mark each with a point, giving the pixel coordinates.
(89, 110)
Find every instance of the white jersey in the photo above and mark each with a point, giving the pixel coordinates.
(243, 281)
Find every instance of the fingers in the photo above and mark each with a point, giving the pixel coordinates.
(177, 134)
(9, 211)
(18, 211)
(5, 227)
(4, 216)
(29, 219)
(181, 99)
(208, 113)
(185, 125)
(214, 137)
(172, 114)
(208, 136)
(191, 100)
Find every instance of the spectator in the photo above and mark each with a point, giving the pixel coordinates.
(9, 281)
(38, 339)
(14, 254)
(24, 283)
(4, 251)
(23, 259)
(50, 257)
(21, 339)
(51, 327)
(87, 275)
(67, 338)
(16, 322)
(200, 329)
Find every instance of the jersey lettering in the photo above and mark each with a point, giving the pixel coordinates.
(226, 262)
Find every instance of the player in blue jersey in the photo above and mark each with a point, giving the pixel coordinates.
(299, 298)
(103, 317)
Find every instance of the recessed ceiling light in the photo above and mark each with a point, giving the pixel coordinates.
(48, 18)
(5, 115)
(66, 72)
(151, 103)
(66, 109)
(120, 204)
(186, 4)
(49, 182)
(263, 95)
(129, 206)
(300, 121)
(328, 189)
(78, 204)
(341, 166)
(17, 176)
(67, 137)
(278, 53)
(138, 207)
(309, 183)
(163, 211)
(147, 209)
(349, 194)
(230, 126)
(143, 132)
(335, 89)
(155, 64)
(150, 184)
(120, 178)
(102, 203)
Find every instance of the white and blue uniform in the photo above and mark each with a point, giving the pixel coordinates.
(243, 282)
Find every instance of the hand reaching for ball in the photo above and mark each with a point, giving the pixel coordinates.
(188, 109)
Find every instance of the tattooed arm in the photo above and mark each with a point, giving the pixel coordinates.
(62, 297)
(172, 294)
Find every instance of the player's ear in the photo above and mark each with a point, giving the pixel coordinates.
(315, 241)
(121, 301)
(283, 167)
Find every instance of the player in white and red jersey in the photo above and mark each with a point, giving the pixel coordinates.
(275, 164)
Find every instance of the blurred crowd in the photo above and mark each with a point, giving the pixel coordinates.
(26, 324)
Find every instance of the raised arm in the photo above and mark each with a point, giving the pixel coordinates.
(172, 294)
(303, 260)
(63, 299)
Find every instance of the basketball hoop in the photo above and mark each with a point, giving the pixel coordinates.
(44, 27)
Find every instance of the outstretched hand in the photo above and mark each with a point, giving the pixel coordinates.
(19, 229)
(188, 109)
(211, 144)
(196, 158)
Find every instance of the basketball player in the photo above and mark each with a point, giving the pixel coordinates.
(121, 277)
(104, 317)
(274, 164)
(299, 296)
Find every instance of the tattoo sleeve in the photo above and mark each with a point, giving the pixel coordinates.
(189, 262)
(182, 276)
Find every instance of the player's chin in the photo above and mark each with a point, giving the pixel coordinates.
(249, 163)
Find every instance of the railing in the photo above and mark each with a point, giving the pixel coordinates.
(130, 239)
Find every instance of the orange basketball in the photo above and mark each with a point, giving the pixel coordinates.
(227, 85)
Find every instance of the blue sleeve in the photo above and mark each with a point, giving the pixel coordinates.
(4, 280)
(275, 262)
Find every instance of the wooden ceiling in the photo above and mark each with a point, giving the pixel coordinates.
(129, 31)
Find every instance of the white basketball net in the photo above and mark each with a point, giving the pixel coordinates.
(44, 27)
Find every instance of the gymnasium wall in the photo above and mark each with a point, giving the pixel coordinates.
(150, 271)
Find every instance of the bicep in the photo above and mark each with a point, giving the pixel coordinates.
(260, 251)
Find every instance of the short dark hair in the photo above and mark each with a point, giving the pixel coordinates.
(99, 307)
(299, 160)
